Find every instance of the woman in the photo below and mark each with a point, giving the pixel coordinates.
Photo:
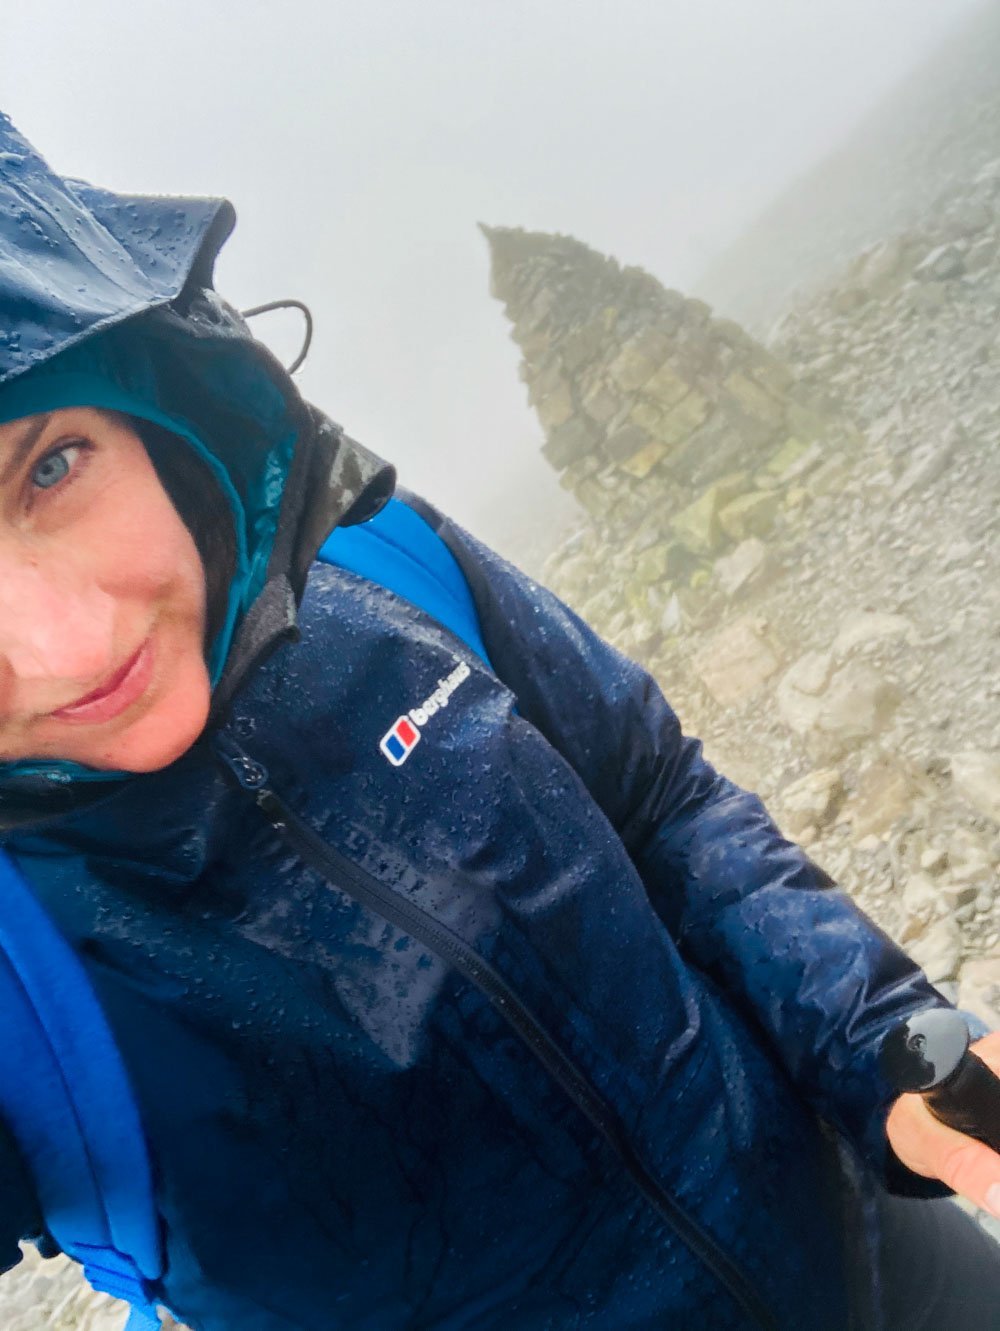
(537, 1022)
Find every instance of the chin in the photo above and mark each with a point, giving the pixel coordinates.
(161, 737)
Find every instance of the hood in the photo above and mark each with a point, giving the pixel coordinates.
(83, 269)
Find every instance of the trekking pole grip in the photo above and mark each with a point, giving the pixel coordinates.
(929, 1053)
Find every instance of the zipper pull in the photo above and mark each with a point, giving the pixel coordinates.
(251, 774)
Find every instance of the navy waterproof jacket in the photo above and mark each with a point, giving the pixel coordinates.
(545, 1027)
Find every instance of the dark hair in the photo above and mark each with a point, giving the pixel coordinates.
(197, 497)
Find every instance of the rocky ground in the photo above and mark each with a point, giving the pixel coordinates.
(927, 137)
(846, 663)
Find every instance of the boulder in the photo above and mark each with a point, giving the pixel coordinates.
(737, 661)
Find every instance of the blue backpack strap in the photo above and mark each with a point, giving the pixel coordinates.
(65, 1095)
(398, 549)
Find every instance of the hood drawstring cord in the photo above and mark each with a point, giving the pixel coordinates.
(287, 305)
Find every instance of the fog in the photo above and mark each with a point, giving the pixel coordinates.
(361, 143)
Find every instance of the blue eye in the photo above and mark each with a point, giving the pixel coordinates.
(53, 468)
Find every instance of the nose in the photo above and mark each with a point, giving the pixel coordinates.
(54, 625)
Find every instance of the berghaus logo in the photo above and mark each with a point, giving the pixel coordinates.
(399, 742)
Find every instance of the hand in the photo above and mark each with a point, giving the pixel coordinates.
(927, 1146)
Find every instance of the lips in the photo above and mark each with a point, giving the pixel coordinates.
(124, 687)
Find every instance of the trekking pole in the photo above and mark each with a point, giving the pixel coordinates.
(929, 1053)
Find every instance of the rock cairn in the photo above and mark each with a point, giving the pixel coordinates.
(656, 415)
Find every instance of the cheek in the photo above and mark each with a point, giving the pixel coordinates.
(148, 551)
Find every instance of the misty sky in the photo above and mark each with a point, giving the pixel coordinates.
(362, 142)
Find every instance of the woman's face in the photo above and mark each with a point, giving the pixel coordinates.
(102, 592)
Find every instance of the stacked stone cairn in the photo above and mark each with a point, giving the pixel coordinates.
(669, 426)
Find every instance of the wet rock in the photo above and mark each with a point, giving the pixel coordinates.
(653, 564)
(672, 619)
(639, 358)
(557, 407)
(698, 526)
(799, 692)
(857, 704)
(938, 952)
(959, 895)
(927, 465)
(934, 860)
(922, 901)
(886, 791)
(979, 988)
(793, 460)
(745, 567)
(862, 627)
(943, 262)
(976, 777)
(830, 476)
(569, 441)
(749, 515)
(812, 801)
(737, 661)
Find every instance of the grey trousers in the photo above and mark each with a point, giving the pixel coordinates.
(940, 1270)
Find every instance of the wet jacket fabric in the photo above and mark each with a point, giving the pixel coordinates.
(535, 1029)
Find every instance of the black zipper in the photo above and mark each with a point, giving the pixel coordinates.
(345, 874)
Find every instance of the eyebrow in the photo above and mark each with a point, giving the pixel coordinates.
(23, 446)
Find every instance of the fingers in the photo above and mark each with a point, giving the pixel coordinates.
(929, 1147)
(988, 1049)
